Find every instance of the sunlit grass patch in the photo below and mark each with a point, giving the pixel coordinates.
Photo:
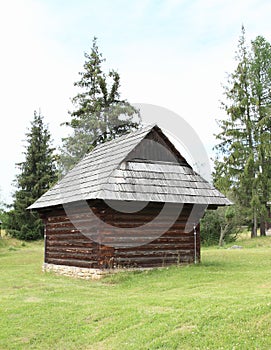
(222, 303)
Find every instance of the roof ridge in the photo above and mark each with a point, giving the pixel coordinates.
(141, 129)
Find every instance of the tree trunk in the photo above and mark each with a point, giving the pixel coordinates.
(222, 234)
(254, 226)
(262, 227)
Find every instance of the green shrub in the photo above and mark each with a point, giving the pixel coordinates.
(220, 226)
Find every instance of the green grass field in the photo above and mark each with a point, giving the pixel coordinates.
(222, 303)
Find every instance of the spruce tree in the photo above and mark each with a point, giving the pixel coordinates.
(243, 161)
(99, 112)
(37, 174)
(235, 168)
(261, 97)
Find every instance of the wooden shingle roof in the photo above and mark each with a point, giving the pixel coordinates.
(141, 166)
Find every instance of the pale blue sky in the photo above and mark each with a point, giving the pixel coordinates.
(171, 53)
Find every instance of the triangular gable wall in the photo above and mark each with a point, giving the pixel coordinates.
(156, 147)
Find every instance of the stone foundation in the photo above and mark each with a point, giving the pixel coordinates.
(83, 272)
(73, 271)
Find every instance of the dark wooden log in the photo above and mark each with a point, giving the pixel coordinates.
(72, 255)
(73, 262)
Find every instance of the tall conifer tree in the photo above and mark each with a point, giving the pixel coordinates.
(243, 162)
(37, 174)
(261, 98)
(99, 113)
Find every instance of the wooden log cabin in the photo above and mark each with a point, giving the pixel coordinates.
(133, 202)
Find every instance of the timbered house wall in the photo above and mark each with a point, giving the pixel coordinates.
(66, 245)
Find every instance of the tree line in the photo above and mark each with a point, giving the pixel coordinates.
(243, 150)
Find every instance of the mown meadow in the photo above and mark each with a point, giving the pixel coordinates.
(222, 303)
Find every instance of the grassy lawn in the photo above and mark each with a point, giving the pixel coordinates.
(223, 303)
